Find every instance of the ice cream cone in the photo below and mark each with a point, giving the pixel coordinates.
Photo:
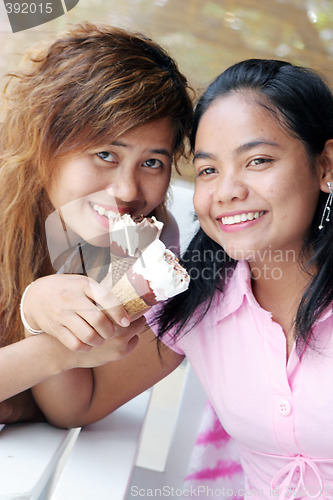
(127, 295)
(128, 238)
(119, 266)
(154, 277)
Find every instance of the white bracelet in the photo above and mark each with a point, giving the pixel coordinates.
(23, 319)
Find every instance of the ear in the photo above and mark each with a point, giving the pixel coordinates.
(326, 166)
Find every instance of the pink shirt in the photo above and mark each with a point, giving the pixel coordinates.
(280, 413)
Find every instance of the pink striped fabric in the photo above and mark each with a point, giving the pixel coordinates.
(214, 471)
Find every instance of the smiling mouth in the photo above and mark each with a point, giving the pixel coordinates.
(110, 214)
(236, 219)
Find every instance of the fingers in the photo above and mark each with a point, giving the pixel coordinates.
(91, 324)
(108, 303)
(72, 342)
(125, 339)
(77, 310)
(120, 345)
(93, 318)
(80, 323)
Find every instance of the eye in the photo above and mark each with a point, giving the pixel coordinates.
(257, 162)
(152, 163)
(207, 171)
(106, 156)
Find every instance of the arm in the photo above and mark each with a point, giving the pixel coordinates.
(80, 397)
(30, 361)
(66, 307)
(36, 358)
(22, 365)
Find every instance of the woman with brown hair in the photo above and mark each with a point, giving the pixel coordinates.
(98, 116)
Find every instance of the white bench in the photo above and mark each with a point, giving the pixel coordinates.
(189, 412)
(102, 465)
(103, 457)
(93, 462)
(97, 462)
(31, 456)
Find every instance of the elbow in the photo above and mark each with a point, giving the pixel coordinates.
(70, 420)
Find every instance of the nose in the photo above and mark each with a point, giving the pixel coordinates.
(125, 186)
(230, 187)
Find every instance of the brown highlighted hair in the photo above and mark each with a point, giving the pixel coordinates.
(91, 82)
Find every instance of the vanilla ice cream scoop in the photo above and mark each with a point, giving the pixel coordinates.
(155, 276)
(160, 267)
(129, 237)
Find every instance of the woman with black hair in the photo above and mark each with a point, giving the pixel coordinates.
(260, 311)
(256, 323)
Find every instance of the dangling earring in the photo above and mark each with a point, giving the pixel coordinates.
(327, 207)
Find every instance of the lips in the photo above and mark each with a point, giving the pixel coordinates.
(110, 213)
(230, 220)
(103, 211)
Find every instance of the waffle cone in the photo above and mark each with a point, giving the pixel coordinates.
(127, 295)
(119, 266)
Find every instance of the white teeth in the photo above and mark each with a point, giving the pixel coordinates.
(236, 219)
(102, 211)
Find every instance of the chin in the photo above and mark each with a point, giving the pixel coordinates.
(96, 240)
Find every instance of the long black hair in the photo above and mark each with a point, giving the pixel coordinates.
(301, 100)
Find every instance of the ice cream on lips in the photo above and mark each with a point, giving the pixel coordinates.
(128, 238)
(128, 235)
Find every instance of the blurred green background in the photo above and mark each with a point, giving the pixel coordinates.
(205, 36)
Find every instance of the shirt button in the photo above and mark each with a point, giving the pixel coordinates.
(284, 407)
